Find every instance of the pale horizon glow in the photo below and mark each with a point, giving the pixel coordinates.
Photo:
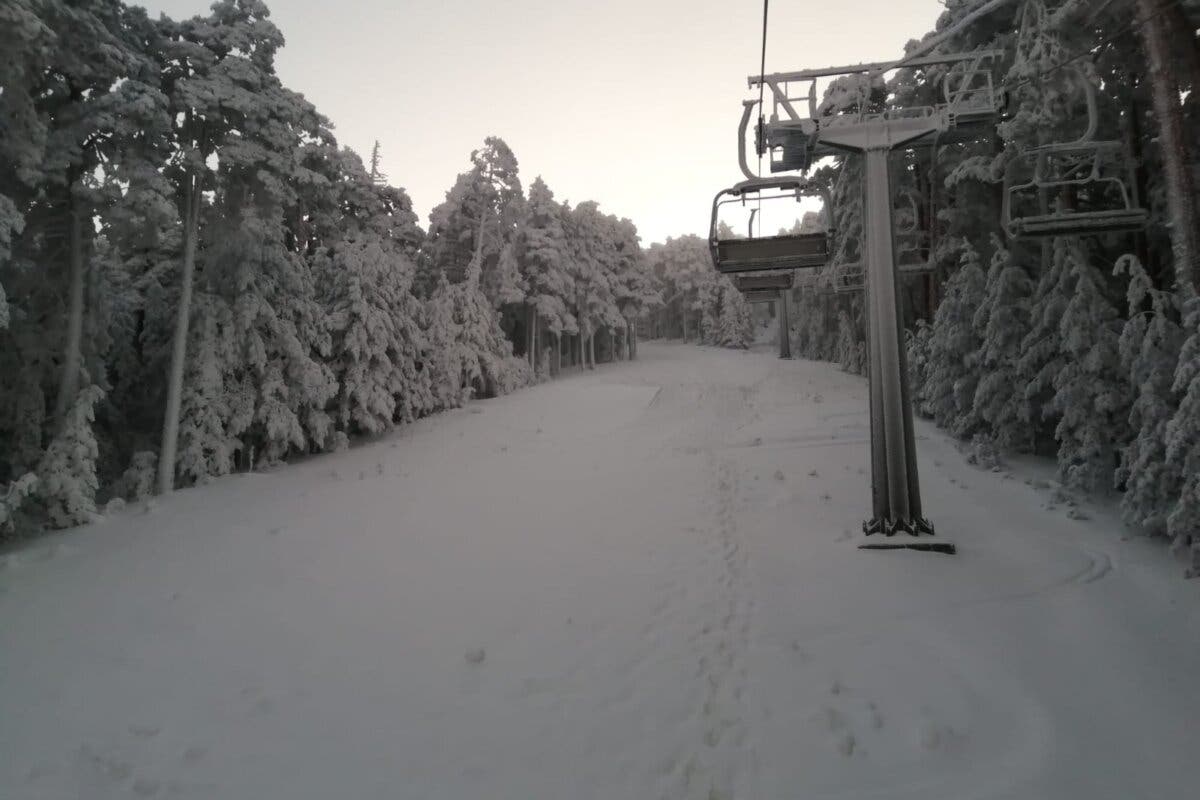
(632, 104)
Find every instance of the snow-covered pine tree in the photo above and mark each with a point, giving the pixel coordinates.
(282, 333)
(1091, 395)
(1042, 354)
(849, 353)
(632, 287)
(542, 254)
(954, 345)
(365, 273)
(916, 349)
(1002, 323)
(680, 265)
(218, 75)
(363, 332)
(490, 190)
(708, 304)
(1150, 344)
(735, 324)
(206, 447)
(489, 367)
(1183, 440)
(67, 484)
(443, 358)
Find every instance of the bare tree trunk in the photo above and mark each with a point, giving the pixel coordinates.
(1164, 91)
(529, 313)
(68, 387)
(537, 344)
(1176, 19)
(592, 351)
(557, 354)
(191, 224)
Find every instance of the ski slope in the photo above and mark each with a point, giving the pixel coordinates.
(634, 583)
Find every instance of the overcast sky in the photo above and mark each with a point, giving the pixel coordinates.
(632, 103)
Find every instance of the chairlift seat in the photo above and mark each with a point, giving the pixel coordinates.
(1084, 223)
(762, 295)
(770, 280)
(853, 278)
(794, 251)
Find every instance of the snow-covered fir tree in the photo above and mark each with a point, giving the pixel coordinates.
(209, 417)
(66, 477)
(849, 348)
(1001, 323)
(954, 344)
(735, 324)
(1042, 353)
(1150, 344)
(1183, 440)
(1090, 393)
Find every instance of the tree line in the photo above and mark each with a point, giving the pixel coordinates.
(697, 302)
(195, 278)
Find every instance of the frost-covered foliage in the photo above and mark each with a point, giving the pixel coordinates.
(693, 301)
(1090, 393)
(735, 322)
(216, 403)
(948, 393)
(1001, 323)
(917, 357)
(850, 349)
(137, 482)
(13, 497)
(1150, 345)
(67, 483)
(1183, 438)
(1042, 352)
(491, 191)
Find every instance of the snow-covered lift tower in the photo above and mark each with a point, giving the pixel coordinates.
(794, 141)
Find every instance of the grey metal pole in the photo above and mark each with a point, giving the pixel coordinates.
(884, 332)
(896, 486)
(785, 343)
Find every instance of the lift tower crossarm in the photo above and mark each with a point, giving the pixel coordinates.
(873, 66)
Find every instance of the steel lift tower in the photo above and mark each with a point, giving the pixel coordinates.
(966, 110)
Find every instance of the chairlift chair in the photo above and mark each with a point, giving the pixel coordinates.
(914, 245)
(1101, 201)
(1087, 180)
(754, 253)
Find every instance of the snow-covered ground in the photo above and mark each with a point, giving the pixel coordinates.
(635, 583)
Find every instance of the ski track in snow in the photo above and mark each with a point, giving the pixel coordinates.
(632, 583)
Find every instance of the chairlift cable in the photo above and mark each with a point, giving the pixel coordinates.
(762, 71)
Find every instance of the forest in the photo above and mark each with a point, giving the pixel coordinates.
(198, 280)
